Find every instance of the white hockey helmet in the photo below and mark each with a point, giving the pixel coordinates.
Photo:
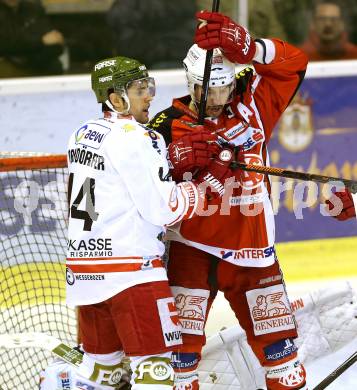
(222, 70)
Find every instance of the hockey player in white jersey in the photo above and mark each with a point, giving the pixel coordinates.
(120, 198)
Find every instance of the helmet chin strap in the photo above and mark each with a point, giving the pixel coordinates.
(195, 104)
(127, 102)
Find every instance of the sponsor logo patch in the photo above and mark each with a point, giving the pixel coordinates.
(155, 370)
(251, 137)
(270, 279)
(147, 262)
(251, 179)
(86, 277)
(280, 350)
(269, 310)
(93, 247)
(226, 155)
(247, 199)
(297, 304)
(70, 277)
(249, 253)
(159, 120)
(107, 375)
(235, 130)
(104, 64)
(128, 127)
(91, 135)
(184, 361)
(104, 79)
(192, 308)
(217, 59)
(154, 140)
(64, 381)
(84, 386)
(170, 322)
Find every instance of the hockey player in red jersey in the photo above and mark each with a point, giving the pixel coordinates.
(232, 249)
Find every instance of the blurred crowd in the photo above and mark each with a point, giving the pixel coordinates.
(50, 37)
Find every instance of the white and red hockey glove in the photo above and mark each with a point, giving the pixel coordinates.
(221, 31)
(348, 209)
(215, 175)
(192, 152)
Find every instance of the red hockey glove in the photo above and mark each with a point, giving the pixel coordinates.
(220, 31)
(216, 173)
(348, 208)
(192, 152)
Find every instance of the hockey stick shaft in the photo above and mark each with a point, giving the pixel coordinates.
(335, 374)
(206, 75)
(350, 184)
(43, 341)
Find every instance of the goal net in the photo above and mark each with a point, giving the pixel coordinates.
(33, 214)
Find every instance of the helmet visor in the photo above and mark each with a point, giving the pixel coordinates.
(141, 88)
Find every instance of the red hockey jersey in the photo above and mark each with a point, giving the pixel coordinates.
(240, 226)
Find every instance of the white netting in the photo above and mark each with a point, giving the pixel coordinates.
(33, 211)
(327, 321)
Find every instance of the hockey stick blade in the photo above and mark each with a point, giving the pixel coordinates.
(42, 341)
(350, 184)
(335, 374)
(206, 75)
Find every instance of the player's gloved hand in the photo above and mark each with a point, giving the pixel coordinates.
(216, 174)
(192, 152)
(221, 31)
(348, 209)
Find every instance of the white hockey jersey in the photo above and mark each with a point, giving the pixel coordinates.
(120, 198)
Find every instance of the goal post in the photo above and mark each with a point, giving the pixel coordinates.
(33, 215)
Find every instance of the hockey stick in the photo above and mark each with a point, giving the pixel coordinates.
(350, 184)
(206, 75)
(43, 341)
(335, 374)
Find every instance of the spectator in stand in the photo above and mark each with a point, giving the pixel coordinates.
(328, 39)
(157, 32)
(350, 7)
(29, 45)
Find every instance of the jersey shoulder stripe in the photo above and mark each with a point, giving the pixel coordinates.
(162, 121)
(243, 79)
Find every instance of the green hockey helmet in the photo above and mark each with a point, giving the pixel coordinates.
(115, 73)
